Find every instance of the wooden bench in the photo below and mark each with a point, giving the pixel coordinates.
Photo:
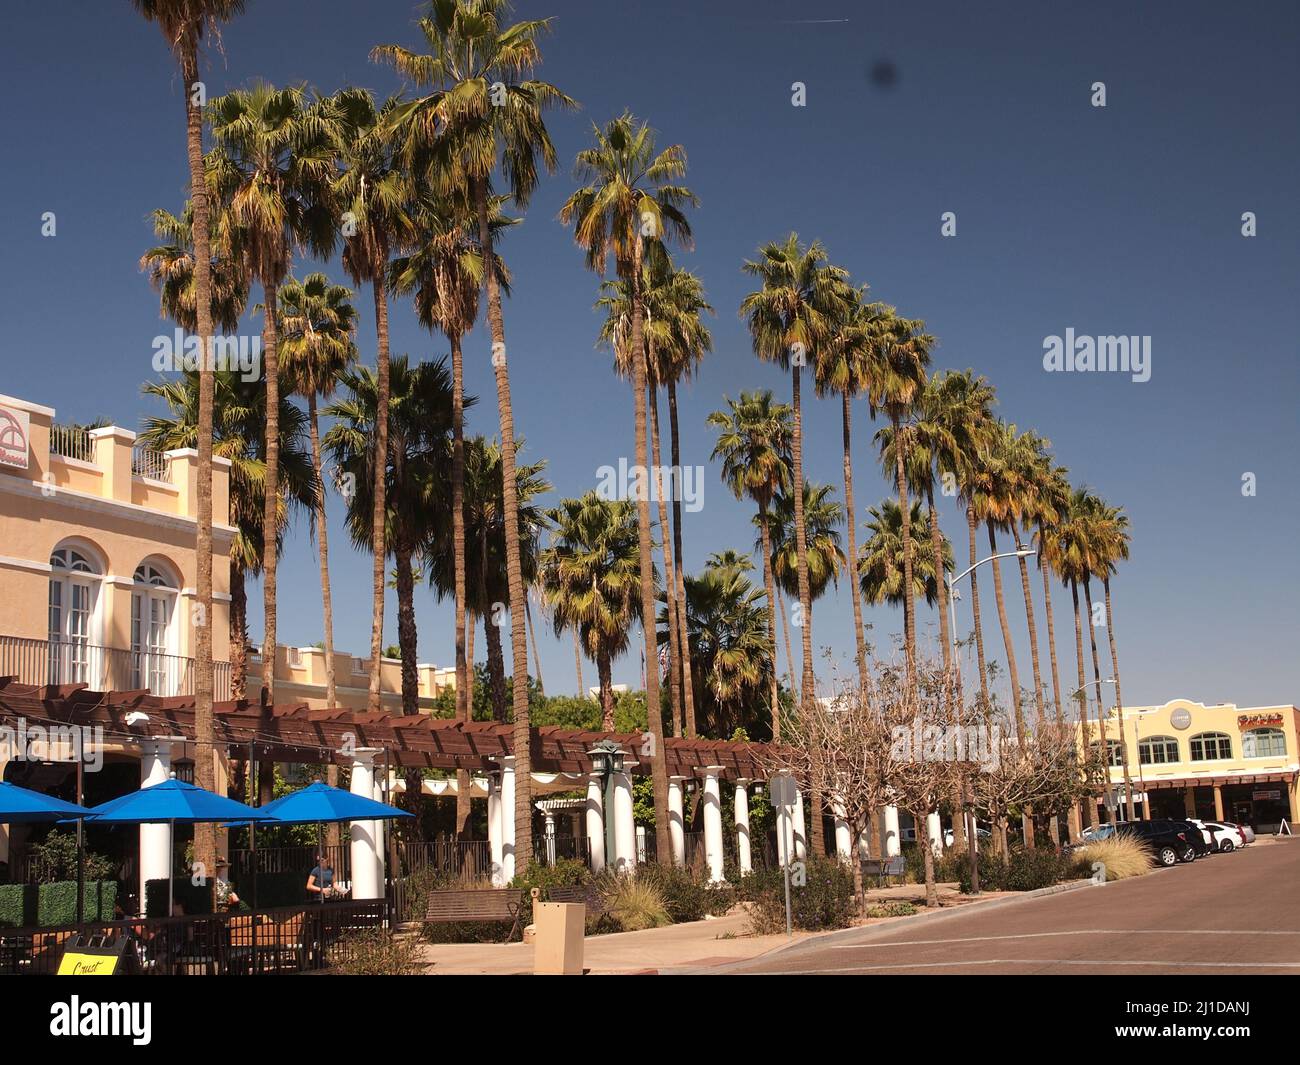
(488, 905)
(883, 870)
(589, 897)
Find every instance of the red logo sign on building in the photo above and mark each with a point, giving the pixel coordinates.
(15, 428)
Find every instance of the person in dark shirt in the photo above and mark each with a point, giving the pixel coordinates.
(320, 881)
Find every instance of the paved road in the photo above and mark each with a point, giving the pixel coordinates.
(1229, 913)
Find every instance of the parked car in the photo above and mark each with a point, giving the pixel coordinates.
(1196, 836)
(1170, 841)
(1228, 837)
(1096, 832)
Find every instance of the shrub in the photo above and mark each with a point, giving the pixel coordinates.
(825, 900)
(567, 872)
(56, 860)
(633, 902)
(1122, 856)
(1034, 868)
(993, 872)
(687, 895)
(46, 905)
(892, 909)
(377, 952)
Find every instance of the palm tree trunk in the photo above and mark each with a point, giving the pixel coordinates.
(238, 633)
(605, 675)
(789, 652)
(271, 488)
(492, 637)
(514, 571)
(323, 552)
(654, 711)
(975, 610)
(1033, 627)
(378, 544)
(532, 638)
(809, 684)
(670, 575)
(909, 601)
(1101, 699)
(851, 562)
(936, 545)
(683, 633)
(1006, 637)
(1051, 643)
(205, 840)
(1078, 649)
(407, 639)
(463, 676)
(770, 587)
(577, 662)
(1119, 702)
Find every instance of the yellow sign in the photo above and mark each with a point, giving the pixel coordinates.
(91, 959)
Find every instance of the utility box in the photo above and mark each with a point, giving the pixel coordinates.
(557, 948)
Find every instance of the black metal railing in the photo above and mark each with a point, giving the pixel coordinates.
(104, 668)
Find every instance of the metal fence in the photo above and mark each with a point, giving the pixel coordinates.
(146, 462)
(72, 442)
(104, 668)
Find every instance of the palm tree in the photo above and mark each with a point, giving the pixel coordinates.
(880, 567)
(790, 317)
(413, 474)
(239, 420)
(842, 369)
(899, 356)
(1053, 497)
(170, 266)
(590, 576)
(754, 438)
(183, 23)
(482, 111)
(273, 167)
(317, 327)
(1027, 453)
(444, 274)
(374, 193)
(629, 198)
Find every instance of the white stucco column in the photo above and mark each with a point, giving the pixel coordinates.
(155, 840)
(744, 857)
(934, 831)
(624, 824)
(381, 831)
(595, 823)
(712, 798)
(507, 818)
(843, 834)
(367, 875)
(676, 820)
(800, 831)
(495, 839)
(893, 843)
(550, 836)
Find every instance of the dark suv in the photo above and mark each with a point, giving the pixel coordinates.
(1170, 841)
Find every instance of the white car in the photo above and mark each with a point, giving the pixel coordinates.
(1229, 837)
(1206, 834)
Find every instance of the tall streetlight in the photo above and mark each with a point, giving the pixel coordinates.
(951, 582)
(1128, 780)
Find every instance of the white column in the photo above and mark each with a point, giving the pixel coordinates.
(892, 845)
(381, 831)
(843, 835)
(367, 875)
(155, 840)
(934, 830)
(495, 840)
(713, 847)
(800, 832)
(550, 835)
(624, 824)
(743, 856)
(507, 818)
(676, 820)
(595, 823)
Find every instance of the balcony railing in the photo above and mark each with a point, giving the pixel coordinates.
(72, 442)
(104, 668)
(145, 462)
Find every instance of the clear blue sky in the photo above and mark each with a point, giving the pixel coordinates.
(1122, 220)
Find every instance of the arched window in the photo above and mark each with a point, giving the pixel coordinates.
(1114, 752)
(1263, 743)
(154, 664)
(1210, 746)
(1158, 750)
(75, 576)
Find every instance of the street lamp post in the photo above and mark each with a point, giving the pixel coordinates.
(606, 761)
(951, 581)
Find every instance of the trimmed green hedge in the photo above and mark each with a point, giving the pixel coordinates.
(45, 905)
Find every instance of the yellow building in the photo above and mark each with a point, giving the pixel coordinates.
(98, 571)
(1216, 762)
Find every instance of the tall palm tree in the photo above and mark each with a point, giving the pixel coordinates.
(880, 567)
(373, 191)
(1026, 453)
(170, 266)
(842, 369)
(481, 111)
(590, 576)
(754, 440)
(1108, 535)
(790, 318)
(413, 471)
(629, 198)
(317, 330)
(899, 356)
(273, 167)
(1053, 499)
(183, 24)
(444, 275)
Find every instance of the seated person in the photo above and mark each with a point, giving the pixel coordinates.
(320, 881)
(226, 897)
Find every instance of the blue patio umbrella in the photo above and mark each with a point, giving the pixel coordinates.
(171, 803)
(22, 806)
(320, 804)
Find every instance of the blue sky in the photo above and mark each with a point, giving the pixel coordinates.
(1117, 220)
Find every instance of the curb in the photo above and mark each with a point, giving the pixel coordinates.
(821, 938)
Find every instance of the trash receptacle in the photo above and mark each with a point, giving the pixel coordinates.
(560, 927)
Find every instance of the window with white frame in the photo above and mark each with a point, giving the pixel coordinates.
(75, 578)
(154, 664)
(1158, 750)
(1210, 746)
(1263, 743)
